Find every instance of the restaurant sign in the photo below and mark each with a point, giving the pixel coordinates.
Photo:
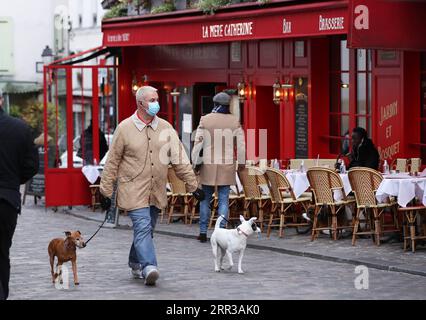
(389, 133)
(250, 25)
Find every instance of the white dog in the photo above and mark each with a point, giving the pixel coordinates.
(230, 241)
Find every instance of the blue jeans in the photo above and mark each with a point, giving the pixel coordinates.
(142, 252)
(223, 207)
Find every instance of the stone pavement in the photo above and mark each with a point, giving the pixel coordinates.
(389, 256)
(186, 268)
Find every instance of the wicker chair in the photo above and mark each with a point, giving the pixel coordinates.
(178, 192)
(96, 196)
(400, 165)
(252, 178)
(364, 183)
(410, 217)
(325, 183)
(284, 202)
(415, 165)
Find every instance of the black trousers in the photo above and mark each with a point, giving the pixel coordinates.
(8, 219)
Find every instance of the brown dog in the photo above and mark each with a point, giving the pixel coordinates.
(65, 250)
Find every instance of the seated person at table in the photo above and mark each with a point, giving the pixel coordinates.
(86, 145)
(364, 153)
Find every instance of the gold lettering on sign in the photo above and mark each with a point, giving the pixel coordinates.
(388, 112)
(335, 23)
(227, 30)
(389, 151)
(286, 26)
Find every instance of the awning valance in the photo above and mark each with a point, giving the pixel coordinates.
(303, 20)
(87, 55)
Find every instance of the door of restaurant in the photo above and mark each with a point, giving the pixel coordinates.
(80, 115)
(203, 99)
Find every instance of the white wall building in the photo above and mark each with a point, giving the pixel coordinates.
(86, 19)
(26, 28)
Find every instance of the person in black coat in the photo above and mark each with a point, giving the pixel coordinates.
(364, 153)
(86, 145)
(18, 164)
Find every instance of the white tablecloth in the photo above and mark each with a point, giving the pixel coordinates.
(91, 173)
(405, 189)
(300, 183)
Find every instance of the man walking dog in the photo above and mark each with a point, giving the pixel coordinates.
(143, 147)
(18, 164)
(218, 134)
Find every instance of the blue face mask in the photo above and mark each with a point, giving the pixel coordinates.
(153, 108)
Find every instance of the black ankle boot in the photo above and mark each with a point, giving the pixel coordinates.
(202, 237)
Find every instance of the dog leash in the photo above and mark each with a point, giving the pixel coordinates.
(100, 227)
(233, 225)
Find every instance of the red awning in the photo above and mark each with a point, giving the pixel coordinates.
(304, 20)
(387, 24)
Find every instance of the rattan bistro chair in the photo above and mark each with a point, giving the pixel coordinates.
(252, 178)
(178, 193)
(411, 215)
(364, 183)
(284, 203)
(325, 183)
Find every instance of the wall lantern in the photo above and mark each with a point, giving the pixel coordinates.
(287, 90)
(47, 56)
(344, 85)
(277, 91)
(242, 91)
(135, 86)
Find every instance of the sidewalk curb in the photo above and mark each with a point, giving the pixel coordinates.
(291, 252)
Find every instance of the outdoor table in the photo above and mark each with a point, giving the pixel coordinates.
(300, 183)
(92, 173)
(402, 186)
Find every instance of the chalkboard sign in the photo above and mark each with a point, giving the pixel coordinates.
(301, 117)
(36, 185)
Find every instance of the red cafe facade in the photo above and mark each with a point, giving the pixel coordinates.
(337, 64)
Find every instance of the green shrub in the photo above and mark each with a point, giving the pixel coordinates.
(210, 6)
(118, 10)
(165, 7)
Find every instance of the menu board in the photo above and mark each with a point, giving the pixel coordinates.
(301, 117)
(36, 185)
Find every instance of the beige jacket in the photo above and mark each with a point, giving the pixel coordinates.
(138, 160)
(219, 164)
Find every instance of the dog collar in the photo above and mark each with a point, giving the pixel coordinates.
(239, 230)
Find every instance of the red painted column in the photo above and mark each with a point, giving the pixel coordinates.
(95, 115)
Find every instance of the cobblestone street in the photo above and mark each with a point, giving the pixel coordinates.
(186, 268)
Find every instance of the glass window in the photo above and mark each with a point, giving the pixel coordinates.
(344, 94)
(299, 49)
(362, 60)
(339, 94)
(344, 56)
(57, 131)
(362, 93)
(363, 89)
